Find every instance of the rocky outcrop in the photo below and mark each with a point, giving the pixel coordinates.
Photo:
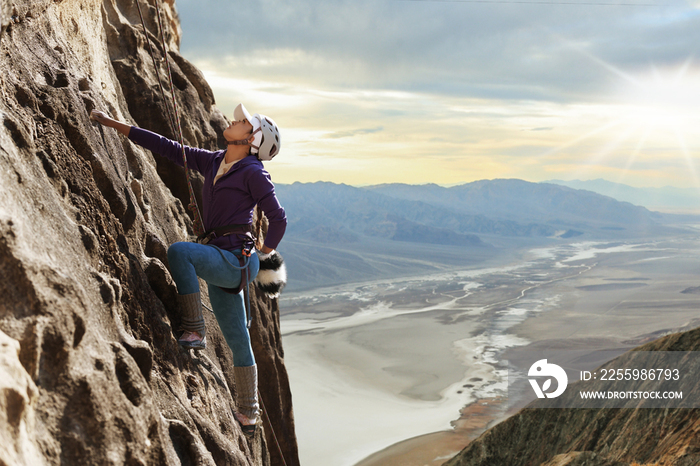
(90, 369)
(596, 437)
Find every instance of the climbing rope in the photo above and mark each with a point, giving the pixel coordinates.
(279, 449)
(264, 411)
(156, 67)
(197, 223)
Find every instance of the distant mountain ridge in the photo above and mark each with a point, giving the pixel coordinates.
(384, 231)
(520, 200)
(667, 198)
(327, 212)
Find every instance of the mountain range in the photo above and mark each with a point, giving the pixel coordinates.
(372, 232)
(665, 199)
(457, 216)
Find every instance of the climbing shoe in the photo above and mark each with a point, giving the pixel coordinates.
(192, 321)
(249, 430)
(192, 340)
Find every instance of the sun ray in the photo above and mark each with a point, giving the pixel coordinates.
(658, 105)
(610, 146)
(683, 70)
(596, 59)
(688, 157)
(632, 158)
(580, 139)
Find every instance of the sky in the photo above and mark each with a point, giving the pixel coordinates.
(448, 92)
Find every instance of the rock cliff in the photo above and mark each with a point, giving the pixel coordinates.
(596, 437)
(90, 371)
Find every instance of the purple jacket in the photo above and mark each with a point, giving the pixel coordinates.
(232, 200)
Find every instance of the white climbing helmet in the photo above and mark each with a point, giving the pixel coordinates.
(266, 143)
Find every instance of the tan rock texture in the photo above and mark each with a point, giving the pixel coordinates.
(597, 437)
(18, 395)
(90, 370)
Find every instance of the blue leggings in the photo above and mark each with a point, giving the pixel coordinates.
(190, 260)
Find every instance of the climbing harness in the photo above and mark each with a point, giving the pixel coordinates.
(243, 258)
(219, 232)
(245, 281)
(197, 223)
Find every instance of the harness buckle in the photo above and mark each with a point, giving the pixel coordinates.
(206, 238)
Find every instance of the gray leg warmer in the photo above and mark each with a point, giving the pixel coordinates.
(247, 391)
(191, 310)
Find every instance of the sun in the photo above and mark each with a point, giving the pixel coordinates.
(661, 117)
(647, 129)
(664, 100)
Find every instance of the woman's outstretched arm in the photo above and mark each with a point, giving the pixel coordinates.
(197, 159)
(103, 119)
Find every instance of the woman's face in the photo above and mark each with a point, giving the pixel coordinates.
(238, 130)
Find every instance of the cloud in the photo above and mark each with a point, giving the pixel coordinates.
(449, 92)
(550, 52)
(355, 132)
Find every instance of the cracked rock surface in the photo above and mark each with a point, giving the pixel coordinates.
(90, 369)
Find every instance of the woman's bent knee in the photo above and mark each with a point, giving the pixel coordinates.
(177, 250)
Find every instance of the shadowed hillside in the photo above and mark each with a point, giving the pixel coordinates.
(596, 437)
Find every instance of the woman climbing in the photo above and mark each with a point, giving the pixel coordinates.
(234, 182)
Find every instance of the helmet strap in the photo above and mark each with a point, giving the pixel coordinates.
(244, 142)
(239, 142)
